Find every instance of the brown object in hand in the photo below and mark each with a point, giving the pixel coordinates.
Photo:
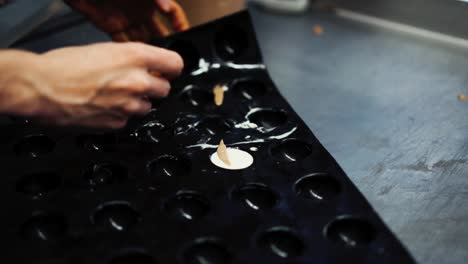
(222, 153)
(218, 92)
(318, 30)
(462, 97)
(129, 20)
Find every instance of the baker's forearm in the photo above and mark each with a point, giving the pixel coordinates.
(17, 78)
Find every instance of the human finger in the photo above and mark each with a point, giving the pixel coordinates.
(142, 83)
(178, 17)
(168, 63)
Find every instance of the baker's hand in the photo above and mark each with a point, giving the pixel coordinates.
(132, 20)
(98, 86)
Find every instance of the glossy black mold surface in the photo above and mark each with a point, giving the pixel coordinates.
(319, 187)
(206, 251)
(281, 242)
(34, 146)
(255, 196)
(38, 184)
(115, 216)
(187, 206)
(149, 194)
(44, 227)
(350, 231)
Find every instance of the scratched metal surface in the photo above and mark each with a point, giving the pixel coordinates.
(385, 105)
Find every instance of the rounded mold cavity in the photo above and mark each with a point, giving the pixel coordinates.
(268, 118)
(97, 142)
(196, 96)
(105, 174)
(39, 184)
(150, 132)
(256, 196)
(44, 227)
(34, 146)
(187, 205)
(350, 231)
(319, 187)
(250, 88)
(168, 166)
(281, 242)
(231, 42)
(291, 150)
(188, 52)
(214, 126)
(206, 251)
(116, 216)
(133, 257)
(185, 123)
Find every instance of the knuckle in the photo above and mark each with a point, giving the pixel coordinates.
(163, 88)
(118, 124)
(161, 93)
(143, 83)
(165, 91)
(140, 85)
(145, 108)
(136, 51)
(135, 82)
(177, 63)
(165, 84)
(131, 106)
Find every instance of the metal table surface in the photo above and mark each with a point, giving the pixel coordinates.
(385, 105)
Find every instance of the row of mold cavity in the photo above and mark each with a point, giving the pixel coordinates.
(37, 145)
(163, 168)
(230, 44)
(280, 241)
(244, 88)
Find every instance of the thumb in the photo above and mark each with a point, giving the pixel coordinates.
(164, 5)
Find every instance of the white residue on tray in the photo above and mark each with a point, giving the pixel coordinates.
(188, 128)
(187, 88)
(247, 124)
(147, 125)
(260, 140)
(245, 66)
(205, 66)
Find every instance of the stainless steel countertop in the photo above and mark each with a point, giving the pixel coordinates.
(385, 105)
(20, 17)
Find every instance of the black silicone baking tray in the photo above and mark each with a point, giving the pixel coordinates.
(149, 193)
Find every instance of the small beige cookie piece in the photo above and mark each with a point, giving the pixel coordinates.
(218, 92)
(222, 153)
